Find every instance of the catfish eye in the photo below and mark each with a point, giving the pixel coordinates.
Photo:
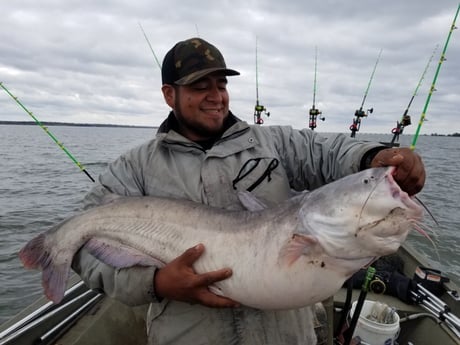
(368, 180)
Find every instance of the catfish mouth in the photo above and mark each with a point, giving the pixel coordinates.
(403, 205)
(387, 229)
(389, 225)
(398, 193)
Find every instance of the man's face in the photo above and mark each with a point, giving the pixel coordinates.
(200, 107)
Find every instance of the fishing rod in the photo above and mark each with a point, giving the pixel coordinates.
(348, 334)
(313, 111)
(405, 120)
(151, 49)
(259, 108)
(355, 126)
(432, 88)
(60, 144)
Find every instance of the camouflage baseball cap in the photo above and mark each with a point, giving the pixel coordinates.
(191, 60)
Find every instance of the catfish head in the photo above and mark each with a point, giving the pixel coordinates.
(361, 216)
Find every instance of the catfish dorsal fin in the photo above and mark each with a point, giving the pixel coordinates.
(109, 198)
(250, 202)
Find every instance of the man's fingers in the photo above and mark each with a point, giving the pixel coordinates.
(191, 255)
(209, 297)
(179, 281)
(211, 300)
(210, 278)
(413, 184)
(387, 157)
(396, 159)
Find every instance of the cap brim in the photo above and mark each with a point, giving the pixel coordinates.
(192, 77)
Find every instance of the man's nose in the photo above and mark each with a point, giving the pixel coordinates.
(214, 94)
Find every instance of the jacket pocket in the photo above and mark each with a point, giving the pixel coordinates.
(253, 172)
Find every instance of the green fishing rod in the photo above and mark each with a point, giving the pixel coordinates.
(151, 49)
(259, 108)
(313, 111)
(314, 79)
(355, 126)
(432, 88)
(348, 334)
(61, 145)
(257, 76)
(405, 119)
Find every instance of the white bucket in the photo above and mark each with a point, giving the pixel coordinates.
(372, 332)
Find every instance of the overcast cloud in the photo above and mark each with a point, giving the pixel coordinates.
(88, 61)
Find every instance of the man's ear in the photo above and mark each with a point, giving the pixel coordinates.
(169, 94)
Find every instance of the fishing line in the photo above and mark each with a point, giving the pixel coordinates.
(370, 80)
(60, 144)
(148, 42)
(421, 79)
(432, 88)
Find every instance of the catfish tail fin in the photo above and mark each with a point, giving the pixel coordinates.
(35, 255)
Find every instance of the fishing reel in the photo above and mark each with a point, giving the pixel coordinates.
(388, 282)
(258, 109)
(361, 113)
(315, 112)
(405, 121)
(379, 283)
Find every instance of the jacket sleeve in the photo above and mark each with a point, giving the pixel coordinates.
(131, 286)
(312, 159)
(121, 177)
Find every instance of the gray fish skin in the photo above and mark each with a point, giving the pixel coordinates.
(292, 255)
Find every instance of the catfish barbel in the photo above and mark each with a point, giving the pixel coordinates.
(294, 254)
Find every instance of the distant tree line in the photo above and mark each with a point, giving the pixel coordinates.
(445, 135)
(50, 123)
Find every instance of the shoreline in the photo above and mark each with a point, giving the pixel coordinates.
(73, 124)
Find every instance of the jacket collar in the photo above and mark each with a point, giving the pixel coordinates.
(168, 130)
(170, 123)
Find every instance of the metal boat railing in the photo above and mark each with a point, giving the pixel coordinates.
(435, 305)
(48, 322)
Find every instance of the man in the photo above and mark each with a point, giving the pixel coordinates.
(202, 152)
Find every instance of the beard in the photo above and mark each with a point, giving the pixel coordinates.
(197, 128)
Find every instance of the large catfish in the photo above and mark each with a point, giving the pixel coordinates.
(292, 255)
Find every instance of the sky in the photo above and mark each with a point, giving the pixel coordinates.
(89, 62)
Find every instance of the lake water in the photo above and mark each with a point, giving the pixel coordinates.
(40, 186)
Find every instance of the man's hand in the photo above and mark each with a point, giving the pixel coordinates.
(179, 281)
(410, 171)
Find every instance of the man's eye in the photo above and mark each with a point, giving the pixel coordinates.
(200, 86)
